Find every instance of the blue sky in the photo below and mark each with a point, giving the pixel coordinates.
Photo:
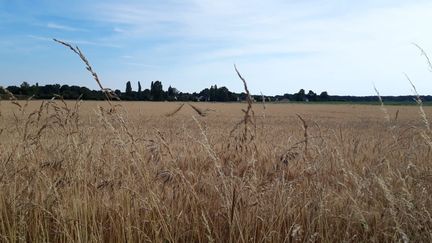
(344, 47)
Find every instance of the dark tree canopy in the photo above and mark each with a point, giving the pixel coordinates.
(212, 94)
(128, 88)
(156, 91)
(311, 96)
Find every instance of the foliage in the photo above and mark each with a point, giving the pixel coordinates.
(156, 91)
(214, 94)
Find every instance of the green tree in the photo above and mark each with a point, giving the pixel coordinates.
(156, 91)
(146, 95)
(300, 96)
(14, 89)
(324, 96)
(25, 88)
(222, 94)
(117, 92)
(128, 88)
(213, 93)
(311, 96)
(172, 93)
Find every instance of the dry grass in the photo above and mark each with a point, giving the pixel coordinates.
(109, 94)
(75, 172)
(153, 172)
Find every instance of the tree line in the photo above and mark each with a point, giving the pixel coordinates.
(156, 92)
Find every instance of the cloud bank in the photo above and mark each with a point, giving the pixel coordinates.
(279, 46)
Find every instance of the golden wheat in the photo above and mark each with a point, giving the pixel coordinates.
(72, 172)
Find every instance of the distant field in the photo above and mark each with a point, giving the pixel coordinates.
(146, 172)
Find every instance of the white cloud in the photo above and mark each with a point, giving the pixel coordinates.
(75, 41)
(341, 47)
(41, 38)
(63, 27)
(281, 46)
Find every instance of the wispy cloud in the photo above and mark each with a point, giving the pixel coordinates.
(74, 41)
(142, 65)
(63, 27)
(242, 27)
(119, 30)
(40, 38)
(278, 44)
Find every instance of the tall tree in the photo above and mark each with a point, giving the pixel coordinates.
(300, 96)
(311, 96)
(139, 87)
(128, 88)
(213, 93)
(25, 88)
(172, 92)
(156, 91)
(301, 92)
(324, 96)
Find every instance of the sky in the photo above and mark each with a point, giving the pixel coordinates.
(279, 46)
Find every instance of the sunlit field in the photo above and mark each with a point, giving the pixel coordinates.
(209, 172)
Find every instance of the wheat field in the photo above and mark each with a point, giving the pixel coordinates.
(209, 172)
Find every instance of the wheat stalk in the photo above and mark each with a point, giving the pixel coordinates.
(200, 112)
(172, 113)
(109, 94)
(249, 115)
(305, 136)
(420, 104)
(423, 53)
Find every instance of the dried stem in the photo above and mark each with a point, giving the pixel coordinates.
(423, 53)
(420, 103)
(199, 111)
(305, 135)
(172, 113)
(249, 114)
(11, 96)
(109, 94)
